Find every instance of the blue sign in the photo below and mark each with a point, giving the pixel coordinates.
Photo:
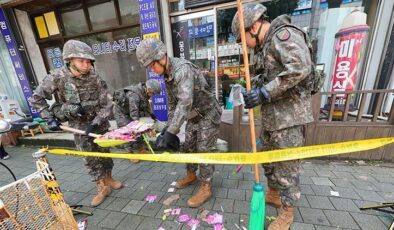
(204, 30)
(16, 60)
(150, 25)
(148, 16)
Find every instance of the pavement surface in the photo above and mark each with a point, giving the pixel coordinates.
(332, 193)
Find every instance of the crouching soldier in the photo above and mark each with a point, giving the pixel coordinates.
(132, 103)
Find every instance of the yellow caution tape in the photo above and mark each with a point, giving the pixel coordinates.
(244, 158)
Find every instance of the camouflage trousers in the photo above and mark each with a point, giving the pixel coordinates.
(97, 166)
(284, 175)
(201, 136)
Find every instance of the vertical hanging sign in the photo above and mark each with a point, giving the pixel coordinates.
(150, 28)
(16, 60)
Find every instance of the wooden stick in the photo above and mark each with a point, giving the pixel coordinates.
(248, 85)
(78, 131)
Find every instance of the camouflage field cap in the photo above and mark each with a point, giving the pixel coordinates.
(252, 12)
(77, 49)
(153, 85)
(149, 50)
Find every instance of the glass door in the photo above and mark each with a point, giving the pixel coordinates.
(193, 38)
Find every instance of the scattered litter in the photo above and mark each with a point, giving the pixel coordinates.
(82, 225)
(218, 227)
(236, 225)
(242, 220)
(161, 228)
(171, 199)
(243, 228)
(334, 193)
(183, 218)
(203, 214)
(173, 183)
(270, 218)
(171, 190)
(150, 198)
(214, 219)
(221, 207)
(193, 223)
(176, 211)
(361, 162)
(167, 210)
(238, 169)
(164, 217)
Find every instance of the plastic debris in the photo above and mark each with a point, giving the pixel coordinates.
(173, 183)
(175, 211)
(218, 227)
(214, 219)
(183, 218)
(150, 198)
(171, 189)
(270, 218)
(193, 223)
(171, 199)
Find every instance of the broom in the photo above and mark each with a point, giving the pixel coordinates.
(257, 206)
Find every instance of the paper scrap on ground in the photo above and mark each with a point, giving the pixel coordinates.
(171, 199)
(183, 218)
(334, 193)
(150, 198)
(214, 219)
(218, 227)
(173, 183)
(193, 223)
(171, 189)
(176, 211)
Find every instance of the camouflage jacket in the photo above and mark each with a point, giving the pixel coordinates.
(89, 91)
(136, 103)
(284, 61)
(188, 95)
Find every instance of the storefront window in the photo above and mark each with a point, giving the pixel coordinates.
(129, 12)
(53, 55)
(9, 83)
(103, 15)
(116, 60)
(74, 20)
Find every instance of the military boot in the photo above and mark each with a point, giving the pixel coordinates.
(284, 219)
(102, 191)
(189, 179)
(203, 194)
(272, 197)
(109, 181)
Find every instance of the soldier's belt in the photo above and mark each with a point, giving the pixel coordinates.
(244, 158)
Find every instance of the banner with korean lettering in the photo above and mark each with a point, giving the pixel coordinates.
(200, 31)
(180, 39)
(150, 27)
(16, 60)
(349, 52)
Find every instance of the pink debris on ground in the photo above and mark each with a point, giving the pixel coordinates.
(218, 226)
(129, 132)
(214, 219)
(193, 223)
(183, 218)
(176, 211)
(150, 198)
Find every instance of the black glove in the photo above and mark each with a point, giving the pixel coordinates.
(53, 124)
(90, 128)
(153, 116)
(256, 96)
(168, 141)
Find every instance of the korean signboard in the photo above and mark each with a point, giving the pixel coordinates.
(150, 28)
(180, 39)
(16, 60)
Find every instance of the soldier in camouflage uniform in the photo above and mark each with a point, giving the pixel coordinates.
(282, 57)
(132, 103)
(85, 103)
(189, 100)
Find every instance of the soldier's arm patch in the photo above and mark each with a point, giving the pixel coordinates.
(283, 35)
